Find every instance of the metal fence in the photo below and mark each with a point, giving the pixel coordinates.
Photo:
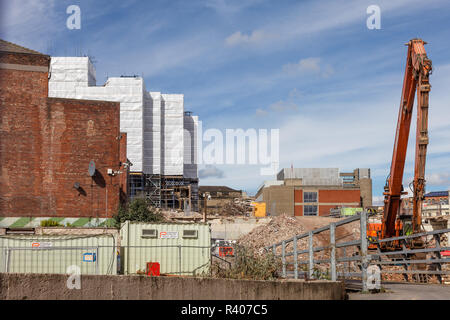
(420, 263)
(336, 263)
(54, 260)
(55, 254)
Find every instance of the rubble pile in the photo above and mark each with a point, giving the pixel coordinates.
(278, 229)
(284, 227)
(237, 207)
(400, 278)
(174, 214)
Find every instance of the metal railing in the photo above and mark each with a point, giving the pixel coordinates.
(411, 258)
(361, 259)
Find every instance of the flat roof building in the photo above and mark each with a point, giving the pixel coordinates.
(315, 191)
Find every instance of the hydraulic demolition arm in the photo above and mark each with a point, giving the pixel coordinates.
(418, 69)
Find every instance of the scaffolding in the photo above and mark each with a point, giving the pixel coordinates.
(153, 189)
(169, 192)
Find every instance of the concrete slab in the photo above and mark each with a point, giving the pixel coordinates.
(406, 292)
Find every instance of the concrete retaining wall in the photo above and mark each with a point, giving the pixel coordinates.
(234, 228)
(54, 286)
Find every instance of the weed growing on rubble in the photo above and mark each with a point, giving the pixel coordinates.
(247, 265)
(321, 274)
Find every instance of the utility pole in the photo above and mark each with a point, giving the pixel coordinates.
(205, 206)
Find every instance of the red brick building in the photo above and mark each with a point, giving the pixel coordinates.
(325, 199)
(315, 191)
(46, 145)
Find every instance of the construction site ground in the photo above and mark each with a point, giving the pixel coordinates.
(406, 291)
(284, 227)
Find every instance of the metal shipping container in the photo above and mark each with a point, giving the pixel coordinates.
(179, 248)
(55, 254)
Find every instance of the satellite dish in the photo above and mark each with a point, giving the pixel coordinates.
(76, 185)
(91, 168)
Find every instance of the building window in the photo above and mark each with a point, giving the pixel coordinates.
(310, 197)
(310, 210)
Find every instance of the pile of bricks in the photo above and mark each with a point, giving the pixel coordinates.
(238, 207)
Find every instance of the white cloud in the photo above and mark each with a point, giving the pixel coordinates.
(312, 65)
(304, 65)
(256, 37)
(230, 7)
(377, 200)
(438, 179)
(261, 112)
(210, 172)
(283, 106)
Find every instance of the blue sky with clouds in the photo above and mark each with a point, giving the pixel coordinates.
(309, 68)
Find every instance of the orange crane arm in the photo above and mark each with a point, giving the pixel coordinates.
(418, 69)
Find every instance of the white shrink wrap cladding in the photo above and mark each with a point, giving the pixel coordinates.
(68, 73)
(74, 77)
(159, 136)
(152, 133)
(190, 147)
(172, 150)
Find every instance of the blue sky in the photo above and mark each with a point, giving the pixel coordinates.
(309, 68)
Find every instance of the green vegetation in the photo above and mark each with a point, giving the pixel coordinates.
(138, 210)
(247, 265)
(50, 223)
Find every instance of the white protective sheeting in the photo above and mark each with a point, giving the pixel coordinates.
(130, 93)
(190, 146)
(74, 77)
(172, 149)
(154, 122)
(152, 133)
(67, 73)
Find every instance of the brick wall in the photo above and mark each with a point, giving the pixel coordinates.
(298, 210)
(46, 145)
(339, 196)
(298, 198)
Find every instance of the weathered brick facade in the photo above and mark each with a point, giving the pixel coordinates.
(46, 145)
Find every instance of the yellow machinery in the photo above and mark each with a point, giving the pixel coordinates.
(259, 209)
